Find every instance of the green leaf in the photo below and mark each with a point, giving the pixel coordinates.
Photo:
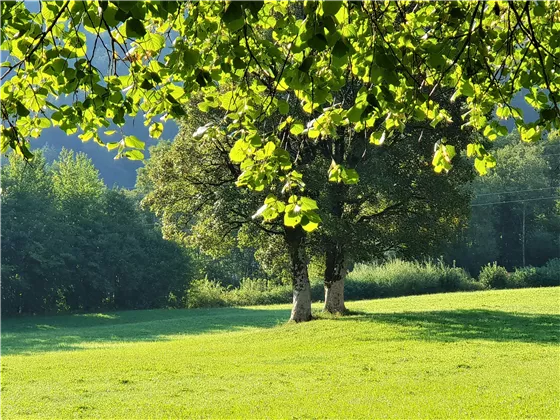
(134, 155)
(340, 49)
(306, 64)
(318, 42)
(308, 204)
(269, 148)
(310, 221)
(283, 107)
(292, 217)
(152, 42)
(155, 131)
(111, 146)
(350, 176)
(21, 110)
(134, 142)
(233, 16)
(296, 129)
(238, 153)
(378, 137)
(254, 7)
(125, 5)
(134, 28)
(22, 150)
(467, 89)
(331, 7)
(307, 225)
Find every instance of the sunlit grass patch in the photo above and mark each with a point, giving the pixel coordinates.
(491, 354)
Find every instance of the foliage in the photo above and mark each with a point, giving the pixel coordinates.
(189, 186)
(493, 276)
(408, 209)
(248, 363)
(545, 276)
(524, 181)
(522, 277)
(549, 274)
(254, 60)
(402, 278)
(366, 281)
(69, 243)
(206, 293)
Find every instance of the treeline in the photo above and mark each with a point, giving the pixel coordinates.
(515, 208)
(70, 243)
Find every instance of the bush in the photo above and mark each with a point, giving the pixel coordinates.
(545, 276)
(493, 276)
(522, 277)
(369, 281)
(549, 274)
(205, 294)
(402, 278)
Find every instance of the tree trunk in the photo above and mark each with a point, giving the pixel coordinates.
(335, 272)
(301, 310)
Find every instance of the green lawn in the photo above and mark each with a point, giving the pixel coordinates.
(481, 354)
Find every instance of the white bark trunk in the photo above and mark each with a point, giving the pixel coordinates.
(301, 310)
(334, 298)
(335, 273)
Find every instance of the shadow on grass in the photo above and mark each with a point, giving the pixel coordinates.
(28, 335)
(469, 324)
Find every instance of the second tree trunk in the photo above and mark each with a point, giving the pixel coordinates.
(335, 272)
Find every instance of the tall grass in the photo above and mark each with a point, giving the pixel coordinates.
(206, 293)
(366, 281)
(371, 281)
(403, 278)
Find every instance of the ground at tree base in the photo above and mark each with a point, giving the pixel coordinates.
(491, 354)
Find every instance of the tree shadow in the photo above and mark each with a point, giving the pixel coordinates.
(470, 324)
(33, 334)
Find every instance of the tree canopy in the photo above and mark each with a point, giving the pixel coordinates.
(254, 60)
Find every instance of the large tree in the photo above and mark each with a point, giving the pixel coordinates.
(252, 59)
(404, 208)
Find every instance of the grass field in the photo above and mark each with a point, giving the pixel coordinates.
(482, 354)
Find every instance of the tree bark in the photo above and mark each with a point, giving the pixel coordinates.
(335, 273)
(301, 309)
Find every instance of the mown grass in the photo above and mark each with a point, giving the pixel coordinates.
(491, 354)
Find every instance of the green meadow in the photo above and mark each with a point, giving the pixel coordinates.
(489, 354)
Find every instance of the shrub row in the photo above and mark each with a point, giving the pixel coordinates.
(371, 281)
(395, 278)
(207, 293)
(495, 277)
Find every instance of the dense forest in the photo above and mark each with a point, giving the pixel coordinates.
(70, 243)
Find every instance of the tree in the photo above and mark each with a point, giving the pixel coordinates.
(253, 59)
(29, 236)
(406, 209)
